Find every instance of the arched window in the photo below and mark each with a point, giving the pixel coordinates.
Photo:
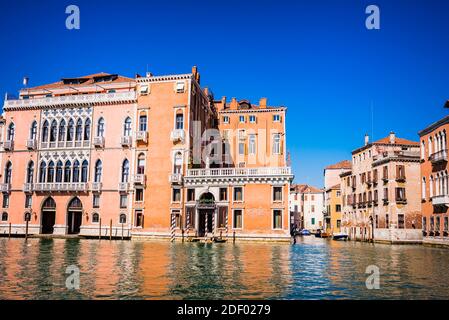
(33, 131)
(75, 204)
(431, 187)
(11, 132)
(178, 163)
(125, 170)
(45, 131)
(51, 172)
(127, 127)
(76, 171)
(87, 130)
(30, 172)
(142, 122)
(67, 171)
(95, 217)
(122, 218)
(84, 168)
(429, 147)
(100, 128)
(79, 130)
(59, 172)
(5, 216)
(61, 135)
(49, 204)
(70, 130)
(141, 164)
(98, 171)
(8, 172)
(42, 172)
(53, 131)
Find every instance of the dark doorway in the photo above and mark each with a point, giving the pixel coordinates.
(74, 216)
(48, 216)
(204, 228)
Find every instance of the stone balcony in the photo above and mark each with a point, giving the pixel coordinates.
(175, 178)
(142, 136)
(8, 145)
(139, 179)
(126, 141)
(177, 135)
(31, 144)
(28, 187)
(61, 187)
(123, 187)
(438, 157)
(99, 142)
(5, 187)
(96, 186)
(441, 200)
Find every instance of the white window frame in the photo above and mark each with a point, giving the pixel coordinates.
(252, 119)
(233, 194)
(272, 219)
(180, 86)
(272, 193)
(144, 89)
(242, 117)
(276, 118)
(233, 218)
(226, 119)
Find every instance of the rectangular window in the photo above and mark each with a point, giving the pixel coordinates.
(446, 224)
(385, 173)
(276, 143)
(179, 121)
(28, 201)
(123, 201)
(339, 224)
(143, 123)
(238, 194)
(313, 208)
(176, 197)
(252, 119)
(96, 201)
(385, 194)
(177, 215)
(139, 195)
(400, 172)
(225, 119)
(237, 219)
(387, 221)
(252, 144)
(222, 213)
(139, 218)
(223, 194)
(277, 219)
(241, 119)
(180, 87)
(277, 193)
(276, 118)
(5, 201)
(241, 148)
(190, 194)
(400, 194)
(313, 221)
(401, 222)
(338, 208)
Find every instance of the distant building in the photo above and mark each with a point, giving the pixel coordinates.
(306, 206)
(434, 182)
(380, 194)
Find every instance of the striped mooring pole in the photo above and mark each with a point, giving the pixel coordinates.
(227, 228)
(213, 223)
(205, 227)
(187, 224)
(172, 237)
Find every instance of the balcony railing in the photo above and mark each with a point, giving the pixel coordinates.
(400, 178)
(442, 200)
(31, 144)
(96, 186)
(439, 156)
(75, 100)
(175, 178)
(401, 201)
(126, 141)
(229, 172)
(28, 187)
(177, 135)
(123, 186)
(61, 187)
(8, 145)
(99, 142)
(5, 187)
(142, 136)
(65, 144)
(139, 179)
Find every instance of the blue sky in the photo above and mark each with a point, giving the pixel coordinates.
(315, 57)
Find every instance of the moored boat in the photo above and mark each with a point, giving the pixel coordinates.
(340, 236)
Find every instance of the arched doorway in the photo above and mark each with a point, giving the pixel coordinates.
(74, 216)
(48, 216)
(206, 211)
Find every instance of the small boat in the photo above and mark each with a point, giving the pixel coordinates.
(340, 236)
(304, 232)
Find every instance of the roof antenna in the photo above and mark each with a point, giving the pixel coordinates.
(25, 81)
(372, 120)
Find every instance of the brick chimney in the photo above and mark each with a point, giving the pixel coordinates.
(263, 103)
(392, 137)
(196, 74)
(223, 102)
(234, 104)
(366, 139)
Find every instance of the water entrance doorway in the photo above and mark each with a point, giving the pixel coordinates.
(48, 216)
(74, 216)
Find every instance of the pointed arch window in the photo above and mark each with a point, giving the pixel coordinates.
(53, 131)
(8, 172)
(30, 172)
(51, 172)
(87, 130)
(125, 171)
(100, 128)
(178, 163)
(45, 131)
(61, 135)
(70, 130)
(127, 127)
(141, 164)
(67, 171)
(98, 171)
(84, 168)
(42, 172)
(33, 131)
(79, 130)
(11, 132)
(76, 171)
(59, 173)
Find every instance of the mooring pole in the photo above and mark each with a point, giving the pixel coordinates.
(110, 230)
(9, 232)
(233, 237)
(26, 230)
(122, 231)
(99, 230)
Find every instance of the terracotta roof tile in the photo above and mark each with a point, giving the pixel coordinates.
(386, 140)
(345, 164)
(304, 188)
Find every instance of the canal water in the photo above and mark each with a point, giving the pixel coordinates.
(311, 269)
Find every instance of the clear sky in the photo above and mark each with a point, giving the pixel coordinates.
(315, 57)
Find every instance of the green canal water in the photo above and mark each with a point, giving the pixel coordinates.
(311, 269)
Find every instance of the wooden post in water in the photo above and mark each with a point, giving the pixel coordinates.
(99, 230)
(26, 230)
(122, 231)
(182, 232)
(110, 230)
(233, 237)
(9, 232)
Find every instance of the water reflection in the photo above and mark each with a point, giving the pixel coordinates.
(311, 269)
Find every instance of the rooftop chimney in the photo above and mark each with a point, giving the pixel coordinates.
(366, 139)
(446, 105)
(392, 137)
(223, 102)
(234, 103)
(263, 103)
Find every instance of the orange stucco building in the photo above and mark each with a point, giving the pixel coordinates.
(150, 156)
